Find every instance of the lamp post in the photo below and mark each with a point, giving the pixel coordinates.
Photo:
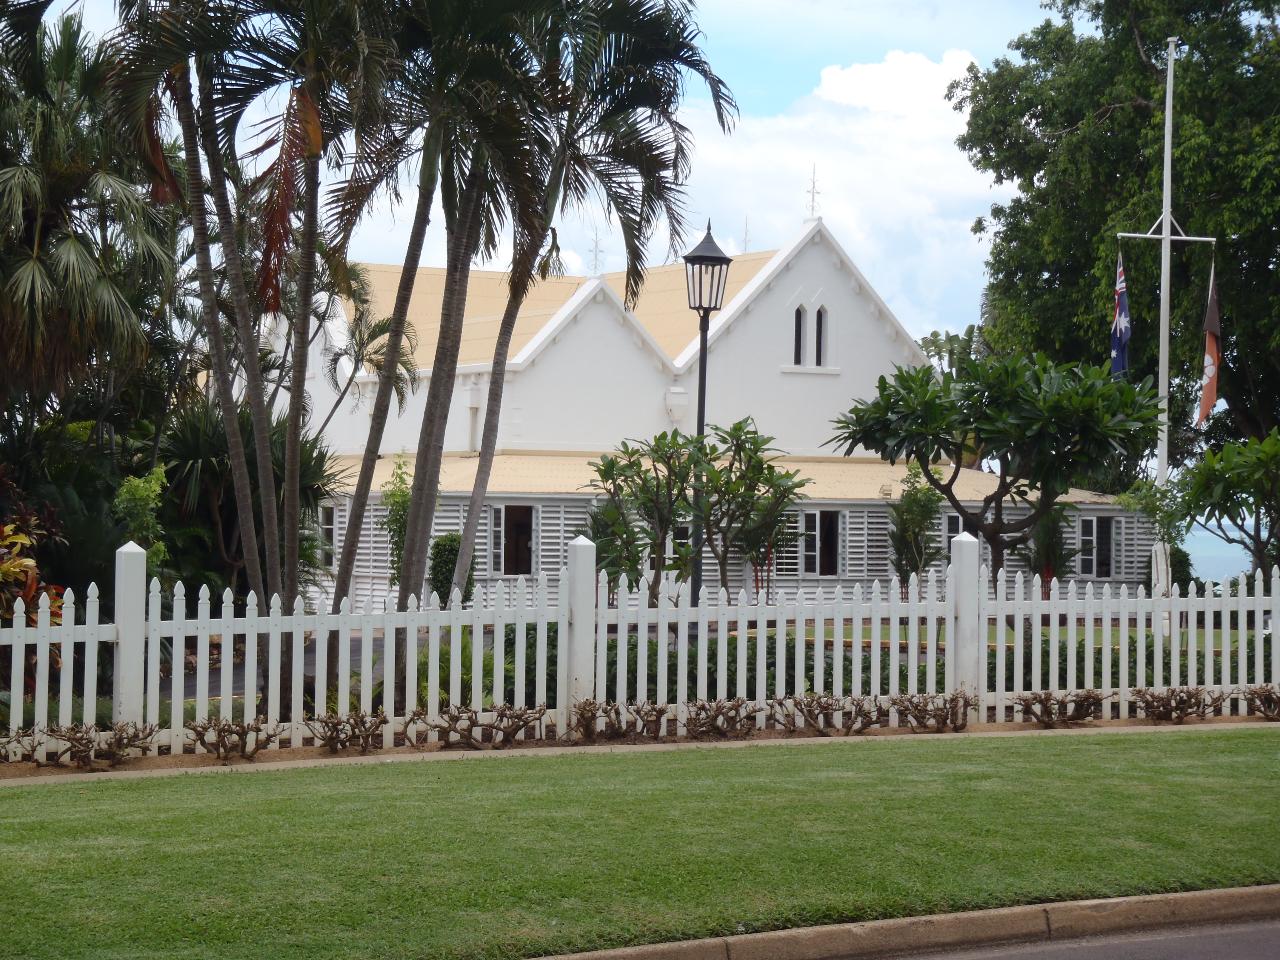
(706, 269)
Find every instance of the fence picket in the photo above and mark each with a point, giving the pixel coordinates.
(40, 702)
(1105, 636)
(1123, 611)
(249, 709)
(876, 689)
(153, 655)
(740, 673)
(226, 655)
(762, 655)
(177, 662)
(89, 706)
(298, 669)
(66, 657)
(998, 695)
(703, 621)
(202, 659)
(722, 644)
(435, 618)
(660, 694)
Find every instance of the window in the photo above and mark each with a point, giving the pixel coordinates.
(820, 545)
(512, 542)
(678, 537)
(1097, 537)
(819, 330)
(954, 529)
(799, 346)
(326, 537)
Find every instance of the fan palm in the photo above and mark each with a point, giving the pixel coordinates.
(451, 111)
(611, 78)
(76, 231)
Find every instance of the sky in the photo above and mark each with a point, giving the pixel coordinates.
(844, 94)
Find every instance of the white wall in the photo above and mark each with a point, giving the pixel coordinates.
(598, 380)
(750, 358)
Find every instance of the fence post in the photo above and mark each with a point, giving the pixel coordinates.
(131, 633)
(970, 656)
(582, 619)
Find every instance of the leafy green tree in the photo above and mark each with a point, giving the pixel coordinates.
(646, 486)
(619, 551)
(1040, 427)
(1235, 495)
(1074, 120)
(444, 554)
(911, 536)
(137, 504)
(740, 483)
(77, 233)
(1049, 552)
(395, 501)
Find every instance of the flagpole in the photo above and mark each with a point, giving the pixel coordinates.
(1166, 246)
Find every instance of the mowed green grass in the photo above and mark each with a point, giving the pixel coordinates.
(515, 857)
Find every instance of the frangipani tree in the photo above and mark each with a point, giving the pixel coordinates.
(1041, 426)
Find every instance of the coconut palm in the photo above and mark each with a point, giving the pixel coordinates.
(452, 112)
(611, 78)
(326, 63)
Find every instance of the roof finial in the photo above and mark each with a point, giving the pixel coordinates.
(595, 251)
(813, 192)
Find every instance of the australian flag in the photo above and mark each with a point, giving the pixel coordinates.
(1120, 325)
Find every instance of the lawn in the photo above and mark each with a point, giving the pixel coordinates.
(514, 857)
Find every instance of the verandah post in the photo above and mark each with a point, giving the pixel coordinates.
(581, 587)
(131, 633)
(970, 656)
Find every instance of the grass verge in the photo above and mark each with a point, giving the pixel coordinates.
(523, 856)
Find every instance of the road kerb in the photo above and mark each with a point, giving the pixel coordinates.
(1033, 923)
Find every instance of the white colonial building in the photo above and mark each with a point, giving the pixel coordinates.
(801, 335)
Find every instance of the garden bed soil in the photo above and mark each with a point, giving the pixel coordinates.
(312, 754)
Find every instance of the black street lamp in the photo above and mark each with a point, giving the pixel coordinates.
(706, 270)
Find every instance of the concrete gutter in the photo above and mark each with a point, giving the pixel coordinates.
(1038, 923)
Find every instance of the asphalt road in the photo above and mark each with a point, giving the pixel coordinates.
(1245, 941)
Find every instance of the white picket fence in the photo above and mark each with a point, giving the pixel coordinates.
(996, 640)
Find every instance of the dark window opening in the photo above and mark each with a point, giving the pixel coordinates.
(1096, 543)
(512, 542)
(799, 348)
(820, 325)
(820, 546)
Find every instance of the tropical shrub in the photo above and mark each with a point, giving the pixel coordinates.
(444, 557)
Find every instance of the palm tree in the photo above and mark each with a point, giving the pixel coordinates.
(326, 62)
(154, 48)
(76, 230)
(450, 110)
(611, 77)
(366, 349)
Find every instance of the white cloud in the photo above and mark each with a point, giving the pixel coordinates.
(892, 184)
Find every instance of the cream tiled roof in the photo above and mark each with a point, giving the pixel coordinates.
(662, 307)
(831, 478)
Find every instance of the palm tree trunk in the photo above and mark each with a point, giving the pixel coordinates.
(521, 279)
(298, 379)
(255, 394)
(213, 330)
(359, 501)
(462, 244)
